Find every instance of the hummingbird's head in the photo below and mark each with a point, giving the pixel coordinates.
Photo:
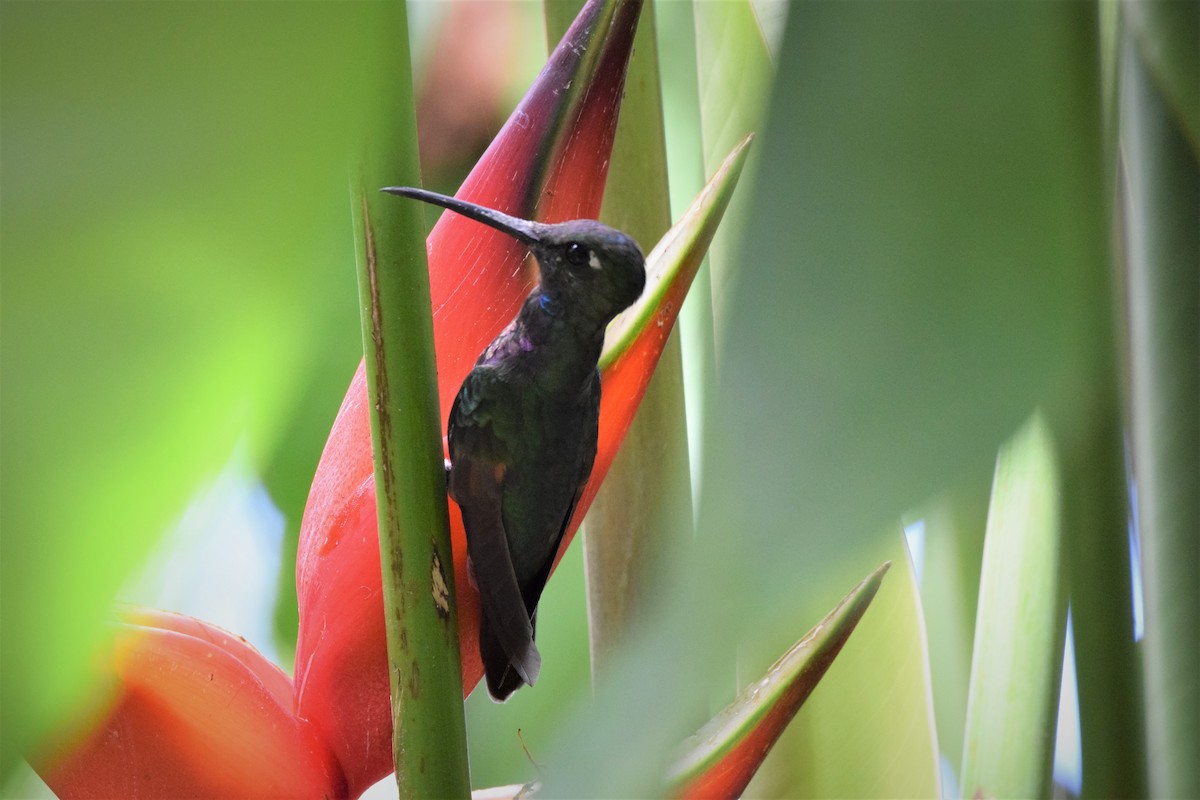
(590, 265)
(585, 264)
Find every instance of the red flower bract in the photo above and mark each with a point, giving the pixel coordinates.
(198, 712)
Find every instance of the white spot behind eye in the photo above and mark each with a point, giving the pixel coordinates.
(593, 262)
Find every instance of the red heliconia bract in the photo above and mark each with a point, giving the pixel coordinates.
(197, 712)
(548, 162)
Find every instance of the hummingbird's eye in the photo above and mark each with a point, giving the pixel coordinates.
(577, 254)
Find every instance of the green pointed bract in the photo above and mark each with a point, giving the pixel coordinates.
(722, 757)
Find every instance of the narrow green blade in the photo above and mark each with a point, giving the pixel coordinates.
(1017, 662)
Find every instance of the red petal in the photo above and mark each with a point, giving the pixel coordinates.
(197, 712)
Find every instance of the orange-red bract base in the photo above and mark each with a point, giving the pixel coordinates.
(199, 713)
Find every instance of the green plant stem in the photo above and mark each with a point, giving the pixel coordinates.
(1161, 218)
(429, 734)
(1095, 518)
(429, 738)
(646, 497)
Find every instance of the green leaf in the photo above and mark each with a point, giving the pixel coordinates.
(175, 254)
(1017, 663)
(920, 266)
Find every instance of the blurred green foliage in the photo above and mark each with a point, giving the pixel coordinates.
(177, 278)
(927, 258)
(924, 261)
(1160, 135)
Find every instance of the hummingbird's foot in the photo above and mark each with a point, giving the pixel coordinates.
(447, 463)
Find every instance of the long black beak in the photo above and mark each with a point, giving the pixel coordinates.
(523, 230)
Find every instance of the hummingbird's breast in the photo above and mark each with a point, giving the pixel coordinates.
(555, 387)
(558, 446)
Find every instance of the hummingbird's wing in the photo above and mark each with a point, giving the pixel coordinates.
(479, 457)
(533, 592)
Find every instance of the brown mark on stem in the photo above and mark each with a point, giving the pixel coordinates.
(441, 591)
(414, 680)
(383, 393)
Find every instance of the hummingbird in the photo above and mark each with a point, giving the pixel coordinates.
(523, 428)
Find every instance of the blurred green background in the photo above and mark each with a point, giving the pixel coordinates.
(957, 215)
(177, 283)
